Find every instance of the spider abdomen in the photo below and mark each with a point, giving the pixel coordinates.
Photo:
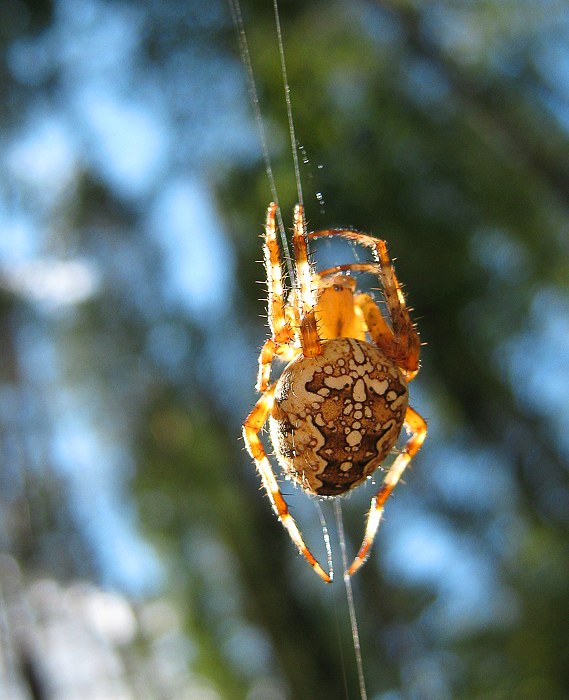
(337, 415)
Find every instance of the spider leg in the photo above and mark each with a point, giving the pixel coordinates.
(271, 349)
(251, 429)
(309, 338)
(347, 267)
(404, 332)
(418, 429)
(403, 345)
(384, 337)
(282, 333)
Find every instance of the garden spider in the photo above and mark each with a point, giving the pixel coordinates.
(340, 403)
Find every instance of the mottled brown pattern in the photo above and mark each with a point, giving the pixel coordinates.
(336, 416)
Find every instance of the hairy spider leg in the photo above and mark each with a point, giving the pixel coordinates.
(309, 337)
(418, 429)
(346, 267)
(282, 333)
(251, 429)
(401, 342)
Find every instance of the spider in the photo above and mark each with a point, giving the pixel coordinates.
(341, 402)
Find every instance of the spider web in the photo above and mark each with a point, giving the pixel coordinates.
(356, 252)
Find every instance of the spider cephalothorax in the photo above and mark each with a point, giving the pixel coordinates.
(339, 405)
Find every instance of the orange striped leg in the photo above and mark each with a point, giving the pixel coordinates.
(303, 271)
(418, 429)
(269, 351)
(281, 331)
(403, 327)
(309, 337)
(380, 332)
(384, 337)
(347, 267)
(276, 306)
(251, 429)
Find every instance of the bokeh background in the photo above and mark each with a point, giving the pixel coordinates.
(139, 557)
